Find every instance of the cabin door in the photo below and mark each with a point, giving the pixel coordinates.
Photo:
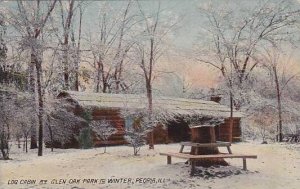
(179, 131)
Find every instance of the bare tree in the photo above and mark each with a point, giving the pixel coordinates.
(123, 47)
(16, 110)
(109, 48)
(3, 52)
(264, 120)
(3, 48)
(70, 55)
(235, 38)
(26, 116)
(272, 61)
(78, 48)
(149, 47)
(104, 130)
(6, 118)
(66, 20)
(26, 130)
(31, 28)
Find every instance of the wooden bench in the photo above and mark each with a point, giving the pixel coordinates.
(194, 158)
(202, 145)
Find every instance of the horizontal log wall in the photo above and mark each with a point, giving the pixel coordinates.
(223, 130)
(114, 117)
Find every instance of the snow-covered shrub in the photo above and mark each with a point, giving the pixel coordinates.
(85, 138)
(138, 130)
(60, 122)
(104, 129)
(135, 138)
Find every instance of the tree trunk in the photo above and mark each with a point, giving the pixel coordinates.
(31, 74)
(66, 28)
(50, 132)
(51, 138)
(98, 77)
(4, 146)
(118, 68)
(76, 84)
(231, 118)
(65, 64)
(98, 82)
(33, 142)
(4, 154)
(40, 104)
(31, 88)
(26, 148)
(19, 143)
(78, 51)
(105, 87)
(279, 136)
(150, 109)
(206, 135)
(118, 77)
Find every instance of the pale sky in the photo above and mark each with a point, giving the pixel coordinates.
(185, 35)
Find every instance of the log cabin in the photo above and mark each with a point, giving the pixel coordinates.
(105, 106)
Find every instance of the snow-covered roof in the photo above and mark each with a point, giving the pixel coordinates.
(180, 106)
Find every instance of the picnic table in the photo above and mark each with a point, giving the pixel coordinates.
(193, 158)
(205, 145)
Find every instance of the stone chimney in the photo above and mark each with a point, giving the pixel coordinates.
(215, 98)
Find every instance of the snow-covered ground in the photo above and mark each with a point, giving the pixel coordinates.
(277, 166)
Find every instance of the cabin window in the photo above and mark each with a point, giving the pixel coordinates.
(132, 122)
(128, 122)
